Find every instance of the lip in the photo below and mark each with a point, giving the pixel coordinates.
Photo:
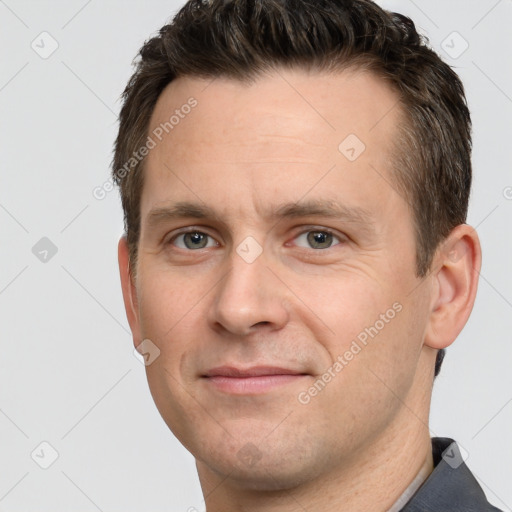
(251, 381)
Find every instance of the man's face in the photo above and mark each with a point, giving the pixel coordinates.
(297, 242)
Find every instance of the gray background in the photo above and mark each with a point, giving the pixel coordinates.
(68, 375)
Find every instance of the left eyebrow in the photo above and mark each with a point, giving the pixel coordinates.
(323, 208)
(358, 217)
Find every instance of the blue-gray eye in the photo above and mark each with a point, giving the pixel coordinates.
(316, 239)
(194, 240)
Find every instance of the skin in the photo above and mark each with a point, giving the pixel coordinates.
(243, 151)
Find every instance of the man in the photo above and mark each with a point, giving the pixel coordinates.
(295, 179)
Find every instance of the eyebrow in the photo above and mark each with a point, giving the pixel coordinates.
(323, 208)
(182, 209)
(310, 208)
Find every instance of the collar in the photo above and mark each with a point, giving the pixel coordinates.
(451, 485)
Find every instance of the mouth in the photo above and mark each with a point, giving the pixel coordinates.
(251, 381)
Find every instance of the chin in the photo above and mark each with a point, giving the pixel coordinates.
(262, 467)
(262, 477)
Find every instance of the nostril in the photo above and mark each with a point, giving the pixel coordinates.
(261, 323)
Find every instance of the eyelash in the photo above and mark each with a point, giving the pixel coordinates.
(310, 229)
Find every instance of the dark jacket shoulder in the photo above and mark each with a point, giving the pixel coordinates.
(451, 487)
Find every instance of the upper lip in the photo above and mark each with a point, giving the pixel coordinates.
(255, 371)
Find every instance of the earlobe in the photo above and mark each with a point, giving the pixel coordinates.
(457, 265)
(129, 290)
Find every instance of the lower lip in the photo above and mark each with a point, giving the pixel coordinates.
(251, 385)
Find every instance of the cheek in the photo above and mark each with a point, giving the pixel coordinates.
(164, 301)
(392, 349)
(377, 357)
(346, 305)
(172, 314)
(372, 324)
(170, 317)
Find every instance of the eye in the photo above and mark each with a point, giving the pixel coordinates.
(193, 240)
(317, 239)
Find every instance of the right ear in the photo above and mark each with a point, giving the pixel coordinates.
(129, 291)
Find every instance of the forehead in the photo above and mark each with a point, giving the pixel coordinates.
(330, 103)
(275, 137)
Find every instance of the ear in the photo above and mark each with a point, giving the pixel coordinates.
(455, 282)
(129, 291)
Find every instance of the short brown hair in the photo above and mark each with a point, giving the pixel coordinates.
(241, 39)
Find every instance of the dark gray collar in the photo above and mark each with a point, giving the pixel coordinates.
(451, 487)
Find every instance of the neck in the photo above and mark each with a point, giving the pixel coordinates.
(422, 475)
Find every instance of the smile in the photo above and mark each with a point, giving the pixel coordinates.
(251, 381)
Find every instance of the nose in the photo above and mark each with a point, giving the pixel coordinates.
(250, 297)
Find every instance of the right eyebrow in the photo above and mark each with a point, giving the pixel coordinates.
(179, 210)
